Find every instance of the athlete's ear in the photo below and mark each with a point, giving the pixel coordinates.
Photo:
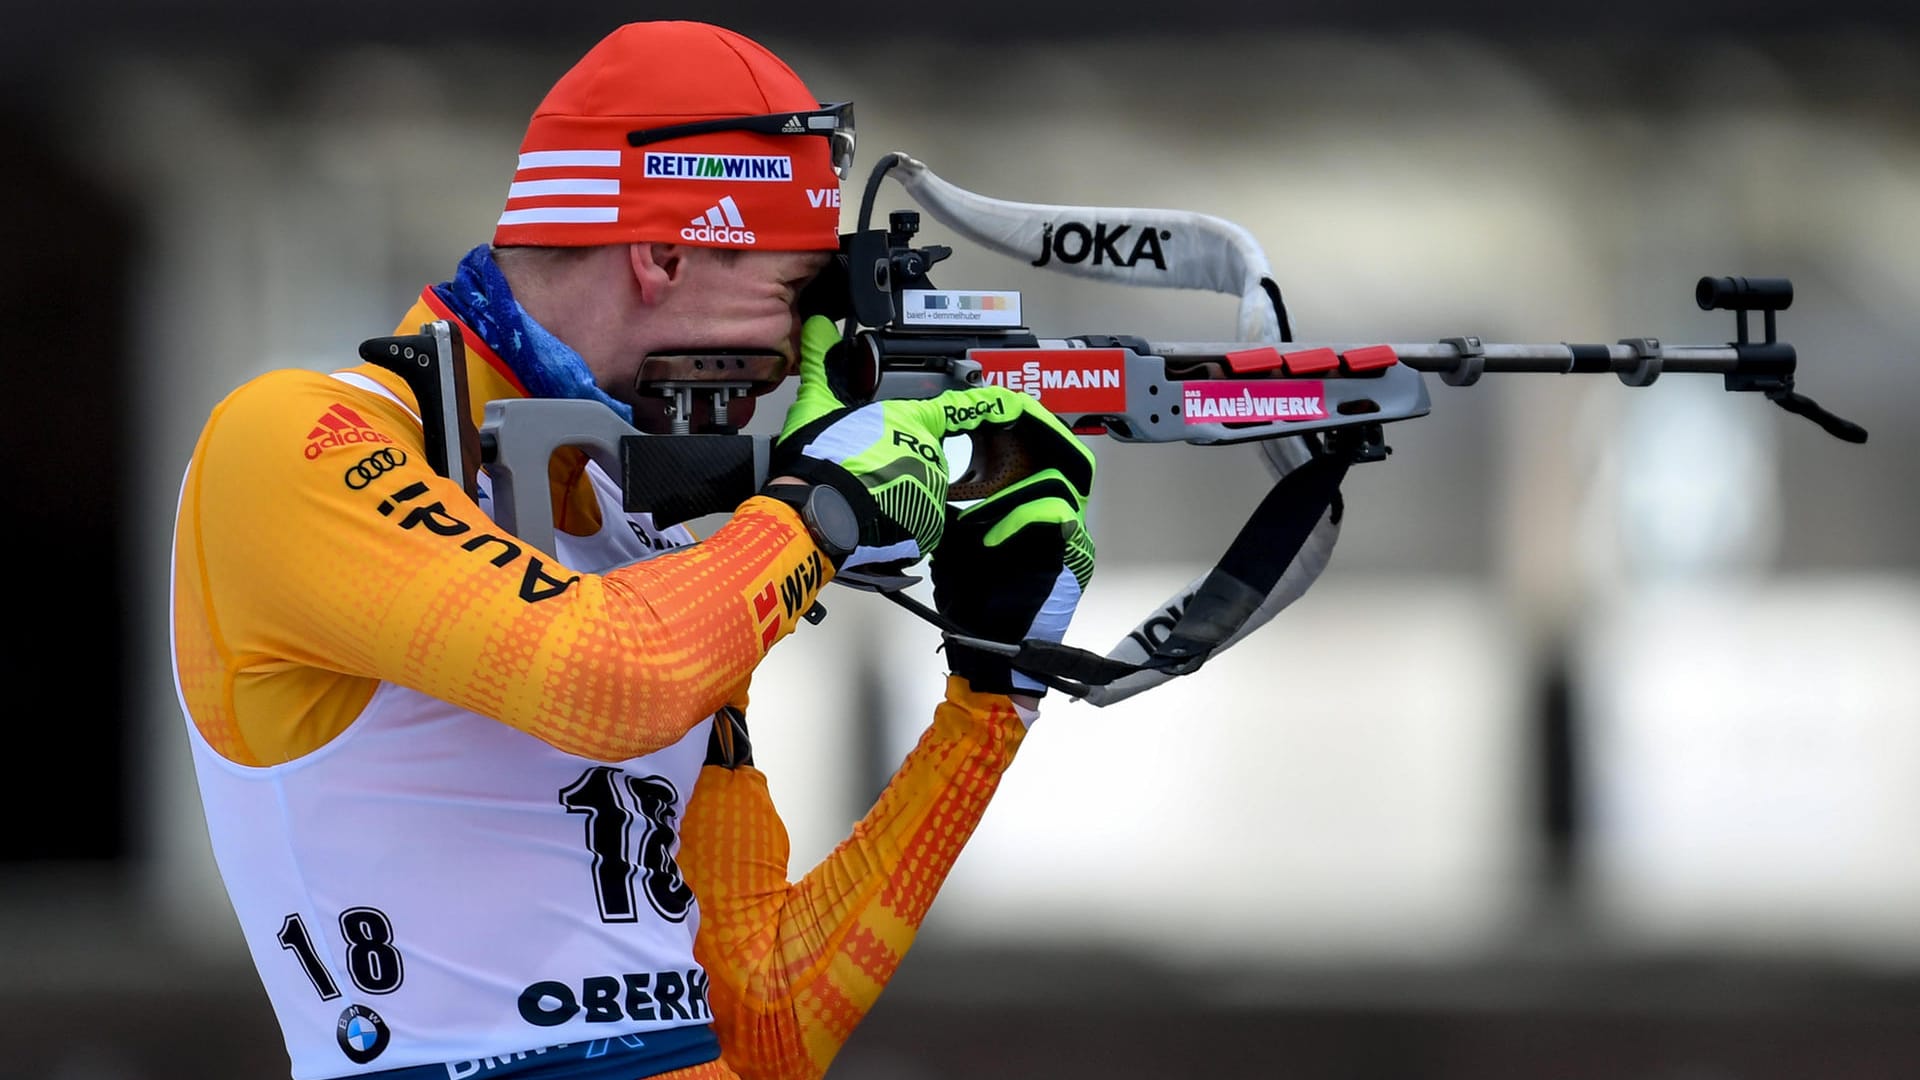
(656, 268)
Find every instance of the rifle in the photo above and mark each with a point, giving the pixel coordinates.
(1314, 409)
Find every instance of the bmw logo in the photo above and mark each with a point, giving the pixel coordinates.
(362, 1034)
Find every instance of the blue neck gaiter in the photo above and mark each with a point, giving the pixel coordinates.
(544, 364)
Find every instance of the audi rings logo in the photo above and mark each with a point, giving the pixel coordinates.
(373, 466)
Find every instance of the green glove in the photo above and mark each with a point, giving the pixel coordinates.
(889, 458)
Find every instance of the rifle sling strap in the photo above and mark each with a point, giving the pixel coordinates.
(1239, 583)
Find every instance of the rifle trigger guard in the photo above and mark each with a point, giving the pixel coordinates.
(1648, 350)
(1473, 361)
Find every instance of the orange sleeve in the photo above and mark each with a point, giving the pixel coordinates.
(301, 582)
(793, 968)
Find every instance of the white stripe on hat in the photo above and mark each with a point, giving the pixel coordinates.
(545, 215)
(527, 189)
(733, 211)
(714, 218)
(593, 159)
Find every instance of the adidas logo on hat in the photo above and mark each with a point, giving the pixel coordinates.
(721, 224)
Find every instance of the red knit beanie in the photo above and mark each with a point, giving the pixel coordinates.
(580, 184)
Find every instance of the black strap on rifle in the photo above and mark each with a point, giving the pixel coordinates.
(1238, 584)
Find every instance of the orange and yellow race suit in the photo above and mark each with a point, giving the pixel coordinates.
(457, 788)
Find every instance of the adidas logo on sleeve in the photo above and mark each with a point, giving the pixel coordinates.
(340, 426)
(721, 224)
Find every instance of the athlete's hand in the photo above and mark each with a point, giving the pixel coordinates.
(1013, 567)
(887, 457)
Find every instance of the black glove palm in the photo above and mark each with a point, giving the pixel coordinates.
(1012, 567)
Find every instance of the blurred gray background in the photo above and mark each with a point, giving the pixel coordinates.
(1595, 753)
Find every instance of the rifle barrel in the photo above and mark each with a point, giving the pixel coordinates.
(1557, 359)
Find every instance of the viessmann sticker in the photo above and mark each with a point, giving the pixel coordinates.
(1226, 401)
(1065, 380)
